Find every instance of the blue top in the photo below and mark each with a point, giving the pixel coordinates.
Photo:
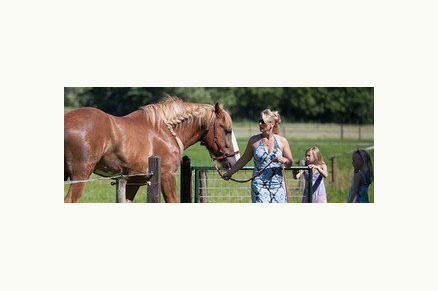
(363, 190)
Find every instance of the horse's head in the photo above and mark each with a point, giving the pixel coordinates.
(220, 140)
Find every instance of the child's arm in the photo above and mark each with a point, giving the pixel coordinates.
(299, 174)
(323, 170)
(356, 184)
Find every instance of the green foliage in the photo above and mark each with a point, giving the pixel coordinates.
(72, 96)
(303, 104)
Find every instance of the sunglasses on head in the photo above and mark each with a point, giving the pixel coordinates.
(262, 121)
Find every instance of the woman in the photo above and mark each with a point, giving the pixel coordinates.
(271, 150)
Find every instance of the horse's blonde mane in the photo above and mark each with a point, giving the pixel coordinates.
(172, 111)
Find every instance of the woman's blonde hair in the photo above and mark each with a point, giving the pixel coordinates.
(274, 116)
(317, 154)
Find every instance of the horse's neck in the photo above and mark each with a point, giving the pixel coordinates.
(192, 130)
(189, 133)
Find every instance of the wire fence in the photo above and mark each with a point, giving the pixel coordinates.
(119, 176)
(216, 190)
(311, 131)
(152, 179)
(213, 189)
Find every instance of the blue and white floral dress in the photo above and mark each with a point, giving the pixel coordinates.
(268, 187)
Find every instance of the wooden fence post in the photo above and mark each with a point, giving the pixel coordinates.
(154, 189)
(186, 180)
(342, 131)
(334, 166)
(121, 190)
(204, 186)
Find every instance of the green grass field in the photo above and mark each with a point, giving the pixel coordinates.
(103, 192)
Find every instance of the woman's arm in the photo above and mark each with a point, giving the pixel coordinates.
(287, 158)
(356, 184)
(247, 156)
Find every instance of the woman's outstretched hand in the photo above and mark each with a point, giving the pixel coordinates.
(227, 176)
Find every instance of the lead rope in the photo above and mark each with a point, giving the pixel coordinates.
(285, 184)
(241, 181)
(256, 175)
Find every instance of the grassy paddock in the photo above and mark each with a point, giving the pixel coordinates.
(103, 192)
(310, 130)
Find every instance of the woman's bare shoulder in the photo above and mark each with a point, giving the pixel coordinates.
(282, 139)
(254, 138)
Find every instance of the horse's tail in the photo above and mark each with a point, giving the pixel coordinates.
(66, 174)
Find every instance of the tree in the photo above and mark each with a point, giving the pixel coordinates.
(302, 104)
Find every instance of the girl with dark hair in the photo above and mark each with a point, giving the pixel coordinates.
(363, 176)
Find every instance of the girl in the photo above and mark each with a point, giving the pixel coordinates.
(363, 176)
(319, 171)
(269, 151)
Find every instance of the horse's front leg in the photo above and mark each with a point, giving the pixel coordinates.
(168, 187)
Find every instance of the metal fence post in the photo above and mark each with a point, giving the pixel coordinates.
(196, 186)
(310, 186)
(154, 189)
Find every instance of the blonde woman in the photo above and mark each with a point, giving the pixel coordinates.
(319, 171)
(269, 150)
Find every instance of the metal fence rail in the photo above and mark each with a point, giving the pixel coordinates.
(210, 188)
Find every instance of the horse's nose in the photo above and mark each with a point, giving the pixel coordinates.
(231, 161)
(226, 164)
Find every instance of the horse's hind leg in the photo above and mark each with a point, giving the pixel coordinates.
(75, 191)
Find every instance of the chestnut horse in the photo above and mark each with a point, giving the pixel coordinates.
(95, 141)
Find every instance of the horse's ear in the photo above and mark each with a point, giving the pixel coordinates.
(218, 108)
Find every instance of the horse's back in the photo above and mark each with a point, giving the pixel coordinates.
(83, 118)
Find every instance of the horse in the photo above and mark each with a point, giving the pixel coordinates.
(100, 143)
